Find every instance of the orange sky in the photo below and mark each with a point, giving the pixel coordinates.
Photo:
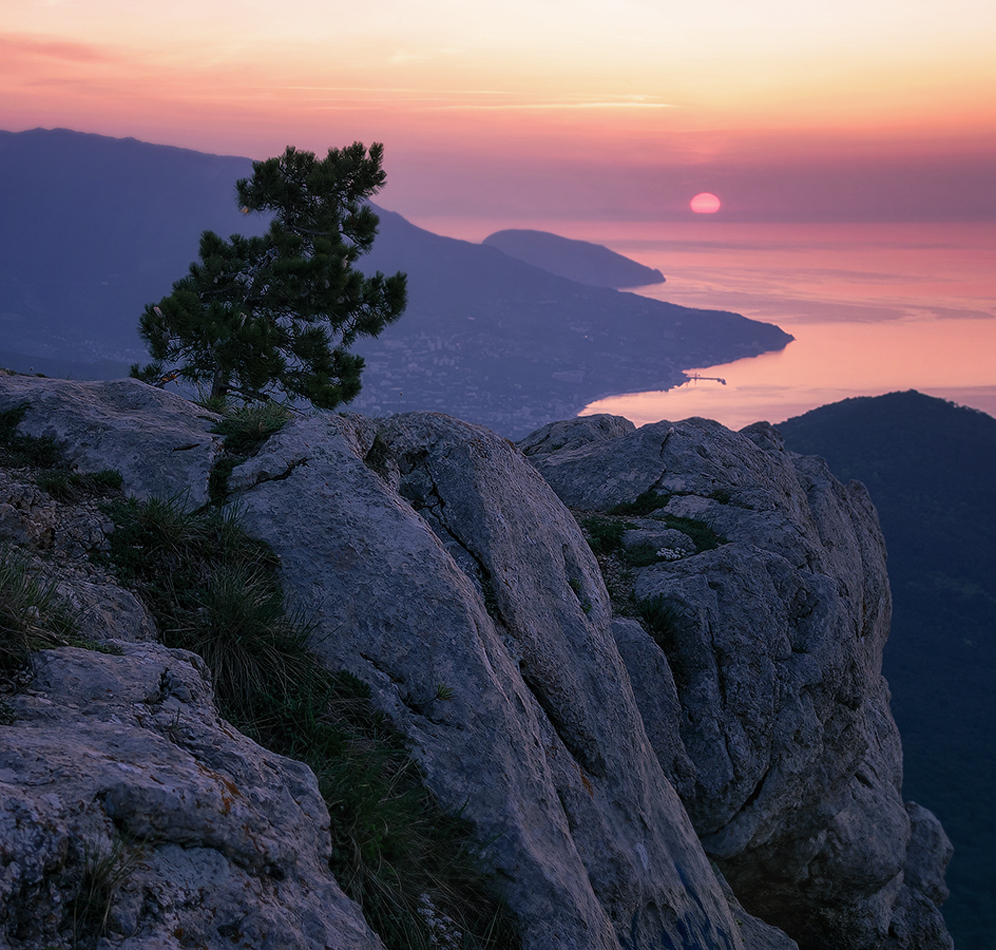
(561, 108)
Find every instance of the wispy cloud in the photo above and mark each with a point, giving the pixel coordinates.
(25, 45)
(477, 99)
(957, 313)
(558, 105)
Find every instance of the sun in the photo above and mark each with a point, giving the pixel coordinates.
(705, 203)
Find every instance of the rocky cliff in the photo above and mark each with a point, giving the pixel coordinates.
(703, 757)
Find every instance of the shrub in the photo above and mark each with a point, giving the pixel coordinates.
(704, 538)
(604, 535)
(641, 555)
(648, 502)
(644, 503)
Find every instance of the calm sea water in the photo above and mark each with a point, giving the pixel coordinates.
(873, 308)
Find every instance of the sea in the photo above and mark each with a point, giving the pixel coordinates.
(873, 308)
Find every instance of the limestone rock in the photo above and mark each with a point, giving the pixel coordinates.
(56, 538)
(573, 433)
(119, 768)
(161, 444)
(104, 610)
(590, 754)
(429, 552)
(774, 641)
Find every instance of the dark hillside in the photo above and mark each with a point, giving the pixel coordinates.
(929, 466)
(93, 228)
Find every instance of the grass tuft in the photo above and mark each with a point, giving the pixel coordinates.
(245, 430)
(663, 619)
(214, 590)
(53, 473)
(66, 485)
(103, 875)
(17, 449)
(31, 615)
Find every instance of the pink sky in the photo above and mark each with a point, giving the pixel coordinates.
(620, 109)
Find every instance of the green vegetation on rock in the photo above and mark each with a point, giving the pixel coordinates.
(32, 616)
(415, 870)
(51, 471)
(213, 589)
(245, 429)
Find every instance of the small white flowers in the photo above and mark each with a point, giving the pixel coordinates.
(443, 931)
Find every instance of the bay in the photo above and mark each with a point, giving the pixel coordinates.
(873, 307)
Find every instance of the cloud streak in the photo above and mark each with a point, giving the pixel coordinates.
(22, 46)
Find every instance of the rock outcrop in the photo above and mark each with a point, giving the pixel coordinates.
(621, 779)
(427, 551)
(774, 638)
(119, 782)
(161, 444)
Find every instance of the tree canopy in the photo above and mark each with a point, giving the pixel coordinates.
(279, 312)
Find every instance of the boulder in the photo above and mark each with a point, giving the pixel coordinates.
(429, 553)
(772, 640)
(128, 808)
(161, 444)
(56, 538)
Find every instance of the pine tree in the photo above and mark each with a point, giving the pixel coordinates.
(279, 312)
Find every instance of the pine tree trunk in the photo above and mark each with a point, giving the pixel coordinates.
(219, 385)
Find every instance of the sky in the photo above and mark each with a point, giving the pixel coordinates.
(549, 109)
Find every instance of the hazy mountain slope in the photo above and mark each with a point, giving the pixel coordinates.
(94, 228)
(587, 263)
(929, 467)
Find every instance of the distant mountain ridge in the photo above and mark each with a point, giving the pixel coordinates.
(591, 264)
(94, 228)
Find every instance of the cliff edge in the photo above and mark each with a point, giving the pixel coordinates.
(723, 773)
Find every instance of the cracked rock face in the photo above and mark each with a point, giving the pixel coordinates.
(429, 552)
(591, 755)
(774, 640)
(121, 762)
(161, 444)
